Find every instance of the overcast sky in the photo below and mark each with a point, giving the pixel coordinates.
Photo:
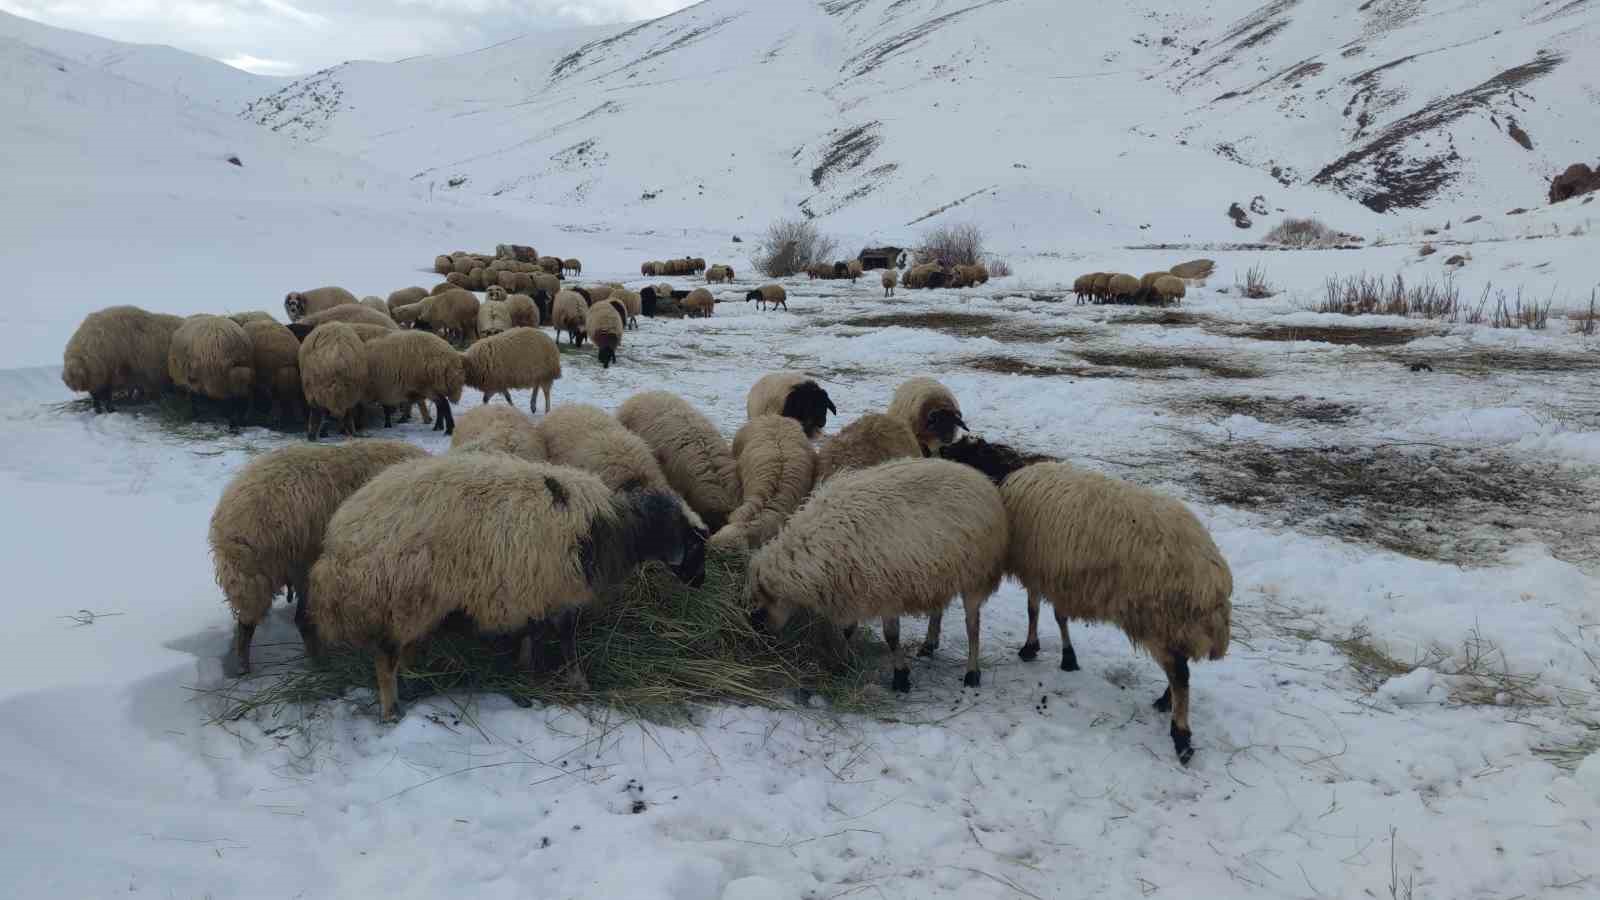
(291, 37)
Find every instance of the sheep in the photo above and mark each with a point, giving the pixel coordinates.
(1083, 287)
(890, 278)
(791, 394)
(570, 314)
(776, 470)
(333, 375)
(253, 315)
(494, 317)
(1103, 550)
(441, 287)
(586, 437)
(930, 410)
(406, 550)
(603, 326)
(544, 281)
(119, 348)
(631, 303)
(350, 314)
(853, 269)
(872, 439)
(571, 265)
(699, 301)
(478, 279)
(403, 297)
(210, 356)
(698, 265)
(275, 359)
(407, 316)
(551, 264)
(451, 312)
(1098, 286)
(648, 300)
(299, 304)
(375, 303)
(692, 453)
(1122, 287)
(408, 366)
(1169, 289)
(648, 269)
(443, 265)
(901, 538)
(523, 311)
(267, 529)
(1194, 269)
(1148, 282)
(927, 275)
(498, 429)
(769, 295)
(718, 273)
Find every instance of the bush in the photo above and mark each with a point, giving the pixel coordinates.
(1293, 232)
(953, 245)
(789, 247)
(999, 268)
(1363, 294)
(1255, 284)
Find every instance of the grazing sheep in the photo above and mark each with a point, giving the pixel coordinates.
(408, 366)
(254, 315)
(1102, 550)
(648, 269)
(350, 314)
(1083, 287)
(498, 429)
(406, 550)
(930, 410)
(853, 269)
(769, 295)
(571, 265)
(791, 394)
(443, 265)
(210, 356)
(891, 277)
(631, 303)
(1169, 289)
(1098, 286)
(551, 264)
(403, 297)
(603, 325)
(1122, 287)
(453, 312)
(776, 470)
(1194, 269)
(698, 265)
(570, 314)
(267, 529)
(443, 286)
(585, 437)
(375, 303)
(692, 453)
(718, 273)
(544, 281)
(299, 304)
(524, 312)
(1148, 282)
(119, 348)
(333, 375)
(275, 358)
(407, 316)
(699, 302)
(901, 538)
(872, 439)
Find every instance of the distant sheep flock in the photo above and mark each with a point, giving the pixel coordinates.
(893, 514)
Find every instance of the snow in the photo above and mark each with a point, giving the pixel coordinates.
(1312, 777)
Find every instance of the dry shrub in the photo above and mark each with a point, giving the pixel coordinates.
(954, 245)
(1292, 232)
(998, 268)
(1255, 284)
(1514, 313)
(1584, 322)
(1371, 295)
(789, 247)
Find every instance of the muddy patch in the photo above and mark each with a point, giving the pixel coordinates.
(1457, 505)
(1013, 331)
(1170, 318)
(1166, 359)
(1482, 362)
(1008, 365)
(1343, 335)
(1272, 410)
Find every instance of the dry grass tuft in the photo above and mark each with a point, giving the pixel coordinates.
(1366, 295)
(1255, 284)
(1165, 359)
(1273, 410)
(1585, 322)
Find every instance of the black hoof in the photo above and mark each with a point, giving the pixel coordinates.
(1029, 652)
(232, 668)
(1180, 743)
(973, 679)
(438, 424)
(902, 680)
(1069, 660)
(1164, 702)
(927, 649)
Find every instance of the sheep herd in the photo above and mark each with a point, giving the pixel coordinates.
(1155, 287)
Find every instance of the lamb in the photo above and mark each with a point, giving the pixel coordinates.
(451, 312)
(1103, 550)
(403, 297)
(769, 295)
(524, 312)
(275, 359)
(267, 528)
(333, 375)
(891, 277)
(897, 539)
(1169, 289)
(930, 410)
(700, 302)
(299, 304)
(408, 366)
(853, 269)
(631, 303)
(571, 265)
(692, 453)
(872, 439)
(603, 325)
(570, 314)
(498, 429)
(406, 550)
(210, 356)
(350, 314)
(718, 273)
(776, 470)
(494, 317)
(1122, 287)
(119, 348)
(791, 394)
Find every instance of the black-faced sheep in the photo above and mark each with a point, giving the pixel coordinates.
(692, 453)
(120, 348)
(275, 358)
(603, 325)
(776, 470)
(769, 295)
(408, 366)
(902, 538)
(791, 394)
(930, 410)
(700, 302)
(570, 314)
(404, 552)
(498, 429)
(267, 528)
(299, 304)
(333, 375)
(1103, 550)
(518, 358)
(872, 439)
(210, 356)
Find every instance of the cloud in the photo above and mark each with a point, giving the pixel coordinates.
(291, 37)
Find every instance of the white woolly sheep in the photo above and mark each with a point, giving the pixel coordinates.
(408, 366)
(253, 315)
(443, 265)
(498, 429)
(1122, 286)
(375, 303)
(350, 314)
(630, 302)
(117, 349)
(572, 265)
(872, 439)
(516, 359)
(890, 278)
(275, 359)
(699, 302)
(443, 286)
(403, 297)
(210, 356)
(1083, 287)
(406, 550)
(1103, 550)
(299, 304)
(267, 528)
(333, 375)
(791, 394)
(603, 325)
(692, 453)
(898, 539)
(453, 312)
(586, 437)
(1169, 288)
(776, 470)
(719, 273)
(930, 410)
(569, 313)
(494, 316)
(853, 269)
(769, 295)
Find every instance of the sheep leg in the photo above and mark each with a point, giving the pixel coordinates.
(102, 400)
(445, 416)
(313, 423)
(239, 662)
(930, 643)
(974, 606)
(547, 386)
(1176, 665)
(505, 394)
(1030, 647)
(308, 629)
(388, 415)
(1069, 656)
(567, 627)
(387, 667)
(902, 667)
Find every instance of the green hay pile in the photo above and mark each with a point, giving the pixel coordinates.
(652, 649)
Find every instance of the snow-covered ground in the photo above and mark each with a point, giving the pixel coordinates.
(1447, 516)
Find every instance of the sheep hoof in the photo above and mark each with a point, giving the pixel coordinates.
(1069, 660)
(927, 649)
(1029, 651)
(438, 423)
(1180, 743)
(1164, 702)
(232, 667)
(902, 680)
(972, 679)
